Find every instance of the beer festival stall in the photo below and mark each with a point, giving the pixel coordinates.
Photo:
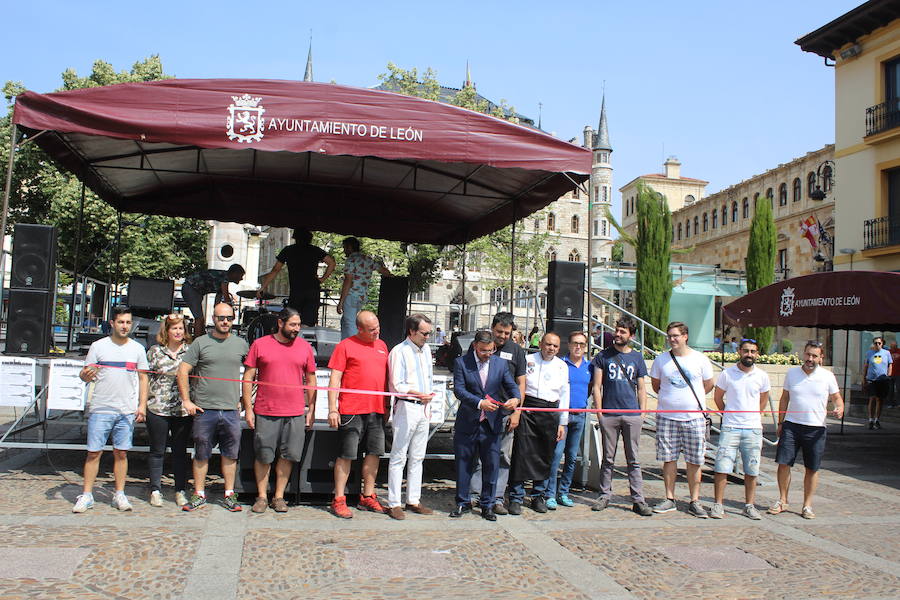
(836, 300)
(323, 156)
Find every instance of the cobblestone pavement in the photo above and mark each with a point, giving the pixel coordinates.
(850, 551)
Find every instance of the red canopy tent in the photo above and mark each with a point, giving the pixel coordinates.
(324, 156)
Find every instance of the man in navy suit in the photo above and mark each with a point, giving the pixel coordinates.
(478, 378)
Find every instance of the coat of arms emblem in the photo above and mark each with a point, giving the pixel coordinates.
(787, 302)
(245, 119)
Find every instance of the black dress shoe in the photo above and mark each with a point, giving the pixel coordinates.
(460, 510)
(488, 514)
(515, 508)
(539, 504)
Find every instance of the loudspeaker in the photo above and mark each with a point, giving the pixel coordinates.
(245, 482)
(392, 303)
(316, 474)
(29, 324)
(150, 297)
(565, 290)
(33, 256)
(562, 328)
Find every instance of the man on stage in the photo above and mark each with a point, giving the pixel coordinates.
(302, 259)
(208, 281)
(280, 362)
(546, 386)
(479, 378)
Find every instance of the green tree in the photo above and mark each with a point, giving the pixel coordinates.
(618, 251)
(653, 246)
(760, 263)
(41, 193)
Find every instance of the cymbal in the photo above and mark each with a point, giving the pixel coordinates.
(251, 294)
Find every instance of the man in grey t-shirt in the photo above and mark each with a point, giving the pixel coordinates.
(214, 402)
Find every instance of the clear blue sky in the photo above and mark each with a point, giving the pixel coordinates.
(719, 84)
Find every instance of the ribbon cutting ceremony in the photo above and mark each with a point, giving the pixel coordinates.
(265, 336)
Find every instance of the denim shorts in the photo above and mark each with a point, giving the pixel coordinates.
(222, 427)
(100, 425)
(796, 437)
(732, 439)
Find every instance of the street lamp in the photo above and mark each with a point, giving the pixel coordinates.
(824, 172)
(851, 252)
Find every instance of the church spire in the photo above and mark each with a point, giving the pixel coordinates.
(601, 140)
(308, 75)
(468, 82)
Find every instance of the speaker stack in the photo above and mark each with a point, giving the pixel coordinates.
(565, 300)
(32, 286)
(392, 303)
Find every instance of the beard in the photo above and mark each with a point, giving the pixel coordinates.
(289, 334)
(748, 361)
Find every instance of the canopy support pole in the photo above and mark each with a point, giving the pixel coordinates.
(846, 368)
(118, 255)
(462, 304)
(75, 272)
(512, 261)
(588, 315)
(13, 134)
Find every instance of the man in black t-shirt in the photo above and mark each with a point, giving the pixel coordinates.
(303, 261)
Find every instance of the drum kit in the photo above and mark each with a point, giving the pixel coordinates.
(257, 320)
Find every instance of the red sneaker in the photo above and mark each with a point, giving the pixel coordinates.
(370, 503)
(340, 509)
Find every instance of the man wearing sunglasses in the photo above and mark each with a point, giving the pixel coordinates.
(876, 380)
(215, 360)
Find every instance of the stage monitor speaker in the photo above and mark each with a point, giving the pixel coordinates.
(565, 290)
(150, 297)
(29, 324)
(562, 328)
(392, 304)
(245, 482)
(316, 475)
(33, 257)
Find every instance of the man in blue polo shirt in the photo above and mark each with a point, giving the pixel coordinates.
(579, 381)
(618, 383)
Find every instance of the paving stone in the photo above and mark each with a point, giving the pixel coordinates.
(41, 562)
(714, 558)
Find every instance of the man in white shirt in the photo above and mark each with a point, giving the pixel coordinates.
(742, 391)
(681, 378)
(411, 374)
(546, 386)
(801, 424)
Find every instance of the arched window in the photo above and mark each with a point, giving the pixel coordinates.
(687, 229)
(576, 194)
(810, 183)
(550, 255)
(679, 232)
(798, 189)
(537, 225)
(769, 193)
(522, 296)
(574, 223)
(689, 199)
(724, 215)
(755, 200)
(500, 294)
(605, 231)
(574, 256)
(551, 222)
(734, 213)
(745, 209)
(696, 225)
(782, 194)
(715, 218)
(705, 222)
(826, 176)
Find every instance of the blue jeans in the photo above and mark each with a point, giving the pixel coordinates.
(352, 305)
(570, 445)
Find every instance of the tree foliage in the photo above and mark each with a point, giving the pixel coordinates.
(41, 193)
(760, 263)
(653, 247)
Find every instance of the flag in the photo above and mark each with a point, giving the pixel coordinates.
(810, 230)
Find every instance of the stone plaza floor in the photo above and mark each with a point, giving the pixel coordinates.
(851, 550)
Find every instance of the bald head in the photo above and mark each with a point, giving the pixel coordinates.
(367, 326)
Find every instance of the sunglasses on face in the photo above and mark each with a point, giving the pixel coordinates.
(225, 318)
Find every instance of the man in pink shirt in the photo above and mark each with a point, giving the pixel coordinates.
(280, 363)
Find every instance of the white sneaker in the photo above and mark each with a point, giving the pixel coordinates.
(83, 503)
(155, 498)
(181, 498)
(120, 502)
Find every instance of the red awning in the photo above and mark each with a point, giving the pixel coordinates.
(286, 153)
(867, 300)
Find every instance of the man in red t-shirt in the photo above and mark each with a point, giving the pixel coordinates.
(359, 362)
(281, 362)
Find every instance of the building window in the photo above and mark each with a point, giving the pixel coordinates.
(605, 189)
(679, 232)
(734, 213)
(596, 228)
(782, 194)
(423, 296)
(522, 297)
(696, 225)
(687, 229)
(715, 219)
(499, 294)
(705, 222)
(783, 262)
(551, 222)
(605, 228)
(810, 183)
(537, 225)
(689, 199)
(724, 215)
(550, 255)
(576, 194)
(769, 193)
(226, 251)
(575, 224)
(574, 256)
(798, 189)
(755, 200)
(745, 208)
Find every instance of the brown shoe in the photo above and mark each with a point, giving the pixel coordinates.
(259, 506)
(419, 509)
(395, 512)
(279, 505)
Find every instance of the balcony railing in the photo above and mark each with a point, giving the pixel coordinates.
(881, 232)
(883, 117)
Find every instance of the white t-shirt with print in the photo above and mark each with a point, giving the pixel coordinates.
(808, 395)
(116, 388)
(742, 390)
(674, 393)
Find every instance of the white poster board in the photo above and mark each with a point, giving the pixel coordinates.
(66, 391)
(17, 381)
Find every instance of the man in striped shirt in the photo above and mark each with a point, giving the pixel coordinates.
(411, 374)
